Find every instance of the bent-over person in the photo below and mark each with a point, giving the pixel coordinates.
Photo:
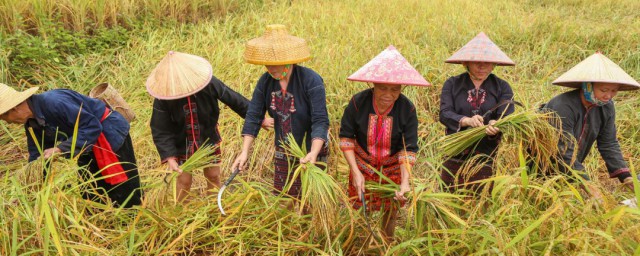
(102, 139)
(588, 115)
(185, 113)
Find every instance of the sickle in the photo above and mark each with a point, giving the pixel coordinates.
(632, 203)
(364, 204)
(364, 212)
(226, 183)
(500, 104)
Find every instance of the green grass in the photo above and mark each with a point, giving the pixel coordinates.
(524, 215)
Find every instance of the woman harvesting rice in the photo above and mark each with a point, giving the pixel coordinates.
(102, 138)
(379, 132)
(473, 99)
(185, 113)
(294, 95)
(588, 114)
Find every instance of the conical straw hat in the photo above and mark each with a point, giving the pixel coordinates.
(597, 68)
(179, 75)
(481, 49)
(389, 67)
(276, 47)
(9, 98)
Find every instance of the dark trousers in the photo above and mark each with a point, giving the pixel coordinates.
(453, 178)
(129, 190)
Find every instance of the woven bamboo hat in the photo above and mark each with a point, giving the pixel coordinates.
(481, 49)
(179, 75)
(9, 98)
(597, 68)
(276, 47)
(389, 67)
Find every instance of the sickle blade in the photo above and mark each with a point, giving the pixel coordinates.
(220, 199)
(224, 186)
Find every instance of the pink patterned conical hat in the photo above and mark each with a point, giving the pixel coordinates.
(481, 49)
(389, 67)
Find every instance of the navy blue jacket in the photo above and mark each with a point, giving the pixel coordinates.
(54, 116)
(310, 119)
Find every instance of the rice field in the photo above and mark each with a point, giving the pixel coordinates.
(523, 215)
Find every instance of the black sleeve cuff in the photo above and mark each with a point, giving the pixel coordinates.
(623, 176)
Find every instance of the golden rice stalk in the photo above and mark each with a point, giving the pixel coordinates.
(202, 158)
(535, 131)
(319, 191)
(384, 190)
(455, 143)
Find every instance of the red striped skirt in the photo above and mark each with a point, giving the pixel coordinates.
(390, 167)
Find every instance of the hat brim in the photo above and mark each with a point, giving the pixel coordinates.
(18, 98)
(177, 96)
(578, 84)
(274, 63)
(498, 63)
(388, 82)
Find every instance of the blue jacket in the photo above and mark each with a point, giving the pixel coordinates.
(54, 116)
(310, 118)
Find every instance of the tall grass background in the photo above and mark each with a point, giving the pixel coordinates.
(522, 216)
